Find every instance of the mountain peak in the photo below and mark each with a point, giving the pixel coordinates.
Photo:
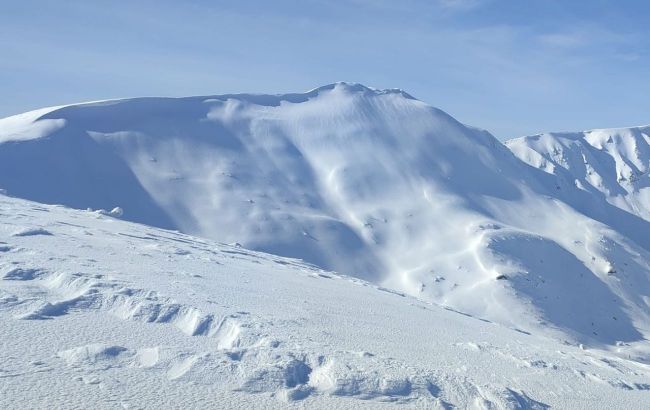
(352, 87)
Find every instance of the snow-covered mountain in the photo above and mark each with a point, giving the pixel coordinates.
(611, 163)
(371, 183)
(97, 312)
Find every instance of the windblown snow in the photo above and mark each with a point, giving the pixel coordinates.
(99, 312)
(542, 244)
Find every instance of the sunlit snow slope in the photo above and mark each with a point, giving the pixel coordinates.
(371, 183)
(611, 163)
(101, 313)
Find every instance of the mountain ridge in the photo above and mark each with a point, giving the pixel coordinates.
(613, 163)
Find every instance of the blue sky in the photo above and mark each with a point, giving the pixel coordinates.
(513, 67)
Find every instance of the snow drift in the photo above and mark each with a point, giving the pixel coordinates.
(100, 312)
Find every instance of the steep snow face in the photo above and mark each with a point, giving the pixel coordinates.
(97, 312)
(611, 163)
(367, 182)
(306, 175)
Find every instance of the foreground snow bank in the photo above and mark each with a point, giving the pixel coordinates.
(101, 312)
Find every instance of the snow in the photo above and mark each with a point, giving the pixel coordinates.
(30, 125)
(401, 216)
(611, 163)
(108, 313)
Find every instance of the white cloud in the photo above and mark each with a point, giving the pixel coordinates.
(460, 5)
(563, 40)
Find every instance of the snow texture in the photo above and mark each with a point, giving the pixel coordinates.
(115, 314)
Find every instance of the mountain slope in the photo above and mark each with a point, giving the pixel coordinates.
(371, 183)
(611, 163)
(100, 312)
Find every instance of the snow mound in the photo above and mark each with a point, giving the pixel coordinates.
(91, 354)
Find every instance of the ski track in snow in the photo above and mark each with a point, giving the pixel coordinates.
(112, 314)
